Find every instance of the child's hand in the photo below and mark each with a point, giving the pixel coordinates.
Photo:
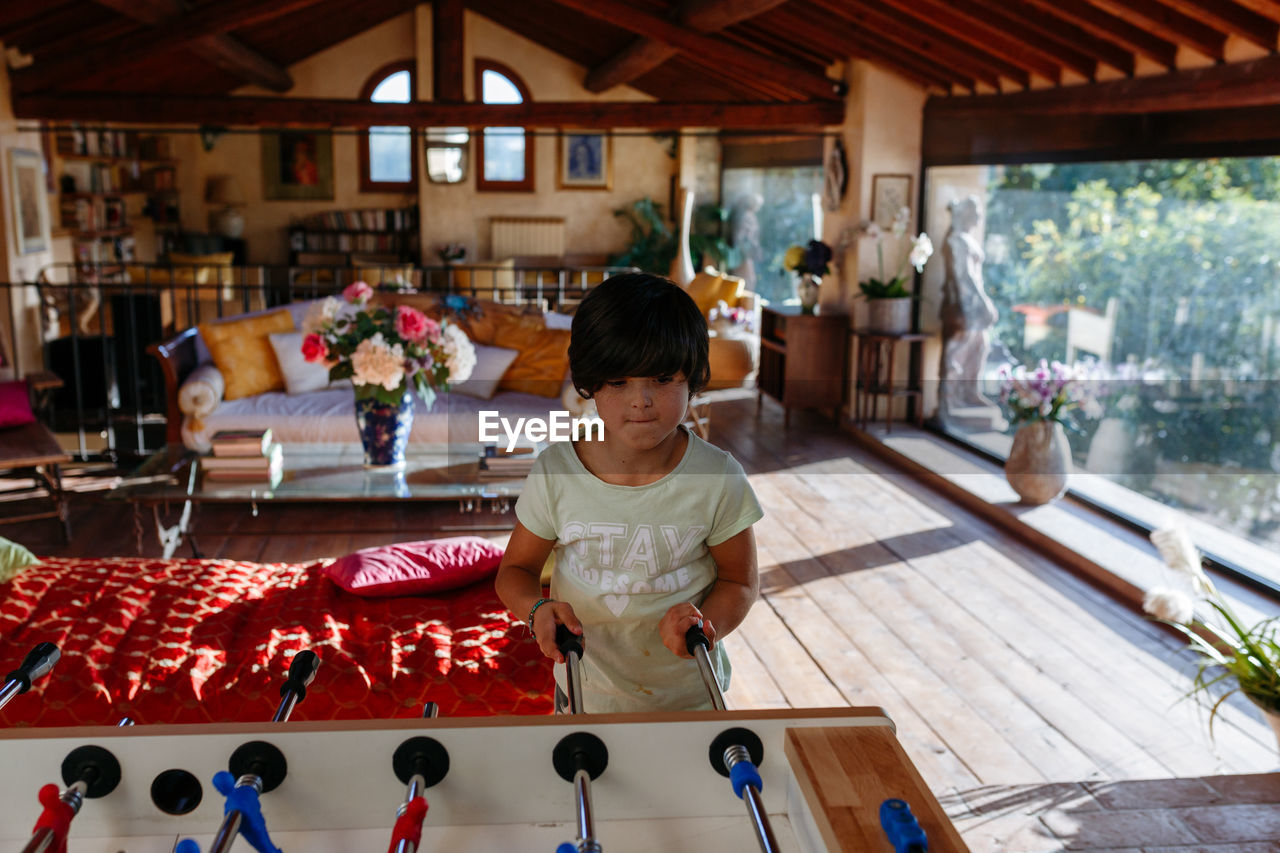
(550, 615)
(676, 623)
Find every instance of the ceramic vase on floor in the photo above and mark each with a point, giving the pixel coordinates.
(807, 290)
(1039, 462)
(384, 428)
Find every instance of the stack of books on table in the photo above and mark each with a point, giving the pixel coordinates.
(244, 456)
(497, 462)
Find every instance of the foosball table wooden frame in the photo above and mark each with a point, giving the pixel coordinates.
(826, 772)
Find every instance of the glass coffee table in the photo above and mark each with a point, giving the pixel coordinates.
(315, 473)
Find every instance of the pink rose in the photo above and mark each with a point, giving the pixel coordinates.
(314, 348)
(433, 331)
(411, 324)
(357, 293)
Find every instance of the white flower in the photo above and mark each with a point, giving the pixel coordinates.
(1179, 553)
(459, 354)
(900, 221)
(871, 229)
(320, 315)
(374, 362)
(921, 251)
(1169, 605)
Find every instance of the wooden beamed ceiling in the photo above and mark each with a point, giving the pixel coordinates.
(773, 61)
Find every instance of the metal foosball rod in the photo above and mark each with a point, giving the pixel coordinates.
(419, 763)
(37, 664)
(258, 767)
(736, 752)
(87, 771)
(579, 757)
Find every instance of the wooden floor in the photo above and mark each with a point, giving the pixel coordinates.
(998, 667)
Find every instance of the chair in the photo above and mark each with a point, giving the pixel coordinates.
(1092, 331)
(33, 446)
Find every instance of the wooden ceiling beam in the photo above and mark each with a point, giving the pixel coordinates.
(980, 35)
(924, 40)
(324, 112)
(448, 41)
(645, 54)
(1167, 24)
(1104, 25)
(1055, 29)
(171, 34)
(1050, 47)
(13, 15)
(703, 49)
(1231, 18)
(840, 39)
(1269, 8)
(1255, 83)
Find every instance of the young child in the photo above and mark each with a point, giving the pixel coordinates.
(651, 525)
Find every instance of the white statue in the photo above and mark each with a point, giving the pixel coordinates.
(967, 316)
(746, 237)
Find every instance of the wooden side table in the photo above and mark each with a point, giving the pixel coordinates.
(802, 360)
(876, 353)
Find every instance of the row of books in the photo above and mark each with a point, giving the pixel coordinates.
(371, 219)
(93, 214)
(86, 176)
(106, 142)
(104, 250)
(244, 456)
(320, 241)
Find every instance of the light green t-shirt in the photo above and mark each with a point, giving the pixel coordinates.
(625, 555)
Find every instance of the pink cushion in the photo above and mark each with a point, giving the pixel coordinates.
(416, 568)
(15, 405)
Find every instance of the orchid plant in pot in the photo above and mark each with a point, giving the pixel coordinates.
(391, 355)
(888, 299)
(1231, 655)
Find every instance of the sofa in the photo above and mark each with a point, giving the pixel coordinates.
(521, 371)
(522, 362)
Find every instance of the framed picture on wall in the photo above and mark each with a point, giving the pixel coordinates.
(30, 201)
(585, 160)
(889, 194)
(297, 164)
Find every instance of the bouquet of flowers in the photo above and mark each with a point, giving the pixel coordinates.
(1048, 393)
(1228, 650)
(919, 252)
(386, 352)
(722, 317)
(450, 252)
(813, 259)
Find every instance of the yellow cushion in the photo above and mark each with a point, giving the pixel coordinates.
(209, 269)
(730, 361)
(710, 288)
(242, 352)
(543, 361)
(385, 276)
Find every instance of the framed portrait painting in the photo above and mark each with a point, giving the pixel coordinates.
(30, 201)
(297, 164)
(585, 159)
(889, 194)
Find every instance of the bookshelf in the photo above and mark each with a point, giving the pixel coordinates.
(390, 233)
(105, 178)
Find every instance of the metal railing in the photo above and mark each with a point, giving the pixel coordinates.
(91, 326)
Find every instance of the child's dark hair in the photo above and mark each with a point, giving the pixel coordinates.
(637, 324)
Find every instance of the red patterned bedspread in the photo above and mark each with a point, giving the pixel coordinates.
(195, 641)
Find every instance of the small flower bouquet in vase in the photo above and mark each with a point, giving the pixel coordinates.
(390, 355)
(1040, 404)
(809, 264)
(729, 322)
(1232, 655)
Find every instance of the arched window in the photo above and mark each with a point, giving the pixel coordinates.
(387, 161)
(505, 159)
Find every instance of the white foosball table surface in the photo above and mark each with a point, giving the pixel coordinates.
(825, 773)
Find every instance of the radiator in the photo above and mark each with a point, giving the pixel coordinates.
(524, 236)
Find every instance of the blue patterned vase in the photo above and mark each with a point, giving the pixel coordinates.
(384, 428)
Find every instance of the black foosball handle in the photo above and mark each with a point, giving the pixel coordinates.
(37, 664)
(570, 645)
(301, 673)
(697, 644)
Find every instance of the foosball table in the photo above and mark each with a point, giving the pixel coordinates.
(798, 780)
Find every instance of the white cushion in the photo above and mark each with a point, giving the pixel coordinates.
(491, 363)
(300, 375)
(201, 393)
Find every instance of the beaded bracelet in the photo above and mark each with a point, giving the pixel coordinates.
(536, 605)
